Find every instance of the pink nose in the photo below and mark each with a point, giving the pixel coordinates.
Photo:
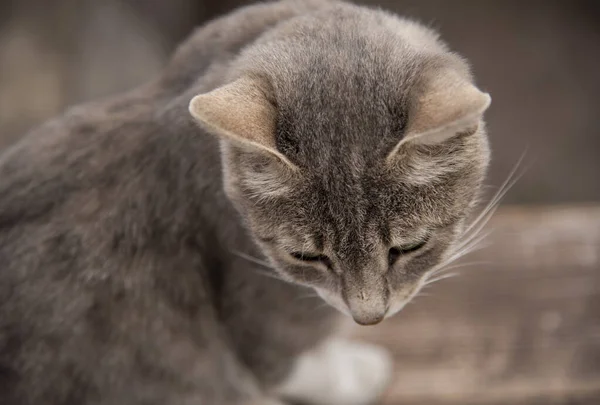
(366, 297)
(367, 310)
(366, 319)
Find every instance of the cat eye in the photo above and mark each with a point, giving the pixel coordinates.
(311, 258)
(395, 252)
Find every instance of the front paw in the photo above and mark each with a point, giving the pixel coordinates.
(339, 373)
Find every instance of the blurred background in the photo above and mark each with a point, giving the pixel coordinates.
(529, 333)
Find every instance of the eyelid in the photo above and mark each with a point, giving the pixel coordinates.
(423, 240)
(311, 258)
(395, 252)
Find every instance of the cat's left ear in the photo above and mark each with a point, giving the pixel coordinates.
(447, 105)
(240, 113)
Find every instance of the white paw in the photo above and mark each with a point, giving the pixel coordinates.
(339, 373)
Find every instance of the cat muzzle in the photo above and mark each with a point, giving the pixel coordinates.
(367, 310)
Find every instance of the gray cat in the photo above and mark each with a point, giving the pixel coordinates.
(153, 256)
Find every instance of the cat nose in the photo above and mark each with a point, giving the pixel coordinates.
(367, 319)
(366, 297)
(367, 309)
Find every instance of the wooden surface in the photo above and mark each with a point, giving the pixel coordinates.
(520, 327)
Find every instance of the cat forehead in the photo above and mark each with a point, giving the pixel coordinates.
(351, 80)
(359, 115)
(362, 102)
(366, 198)
(335, 136)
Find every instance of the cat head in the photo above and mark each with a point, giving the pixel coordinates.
(354, 174)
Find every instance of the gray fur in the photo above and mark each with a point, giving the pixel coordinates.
(118, 284)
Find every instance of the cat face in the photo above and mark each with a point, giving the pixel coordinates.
(366, 235)
(354, 175)
(364, 225)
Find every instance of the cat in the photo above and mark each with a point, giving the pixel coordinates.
(175, 244)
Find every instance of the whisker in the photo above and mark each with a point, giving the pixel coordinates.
(443, 266)
(251, 258)
(307, 296)
(322, 305)
(439, 272)
(271, 275)
(469, 245)
(264, 273)
(440, 278)
(459, 266)
(479, 227)
(472, 246)
(510, 181)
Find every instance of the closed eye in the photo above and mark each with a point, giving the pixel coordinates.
(397, 251)
(311, 258)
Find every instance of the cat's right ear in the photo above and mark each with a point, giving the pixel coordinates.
(241, 113)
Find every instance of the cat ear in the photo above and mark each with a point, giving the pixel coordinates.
(449, 104)
(240, 113)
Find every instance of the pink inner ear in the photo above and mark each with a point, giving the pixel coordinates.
(449, 105)
(239, 111)
(468, 124)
